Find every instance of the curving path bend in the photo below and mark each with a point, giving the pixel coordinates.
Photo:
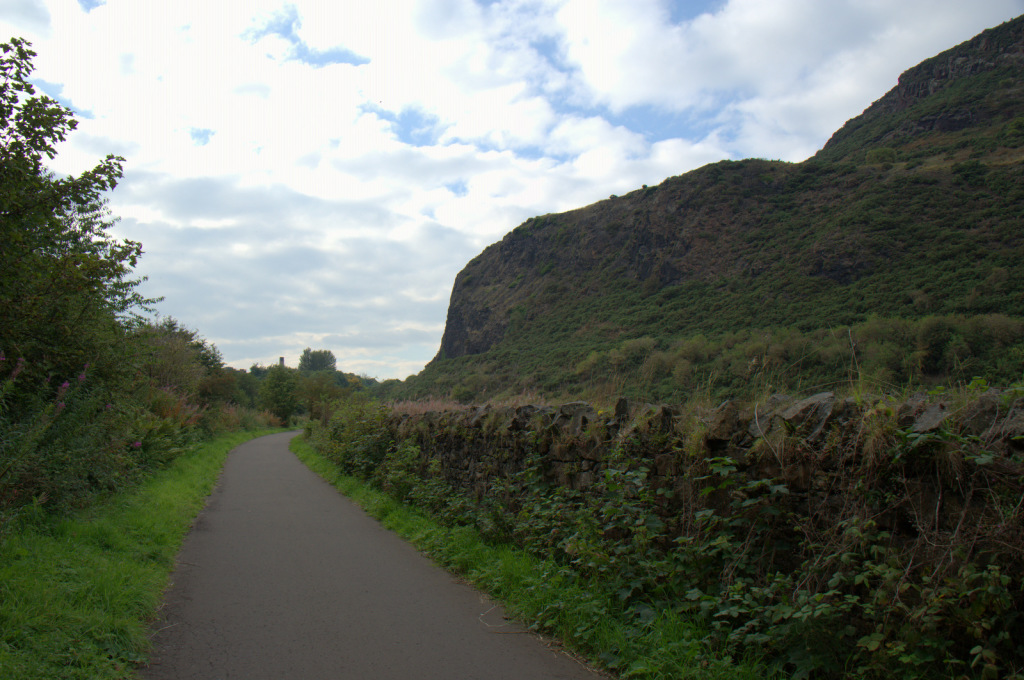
(283, 578)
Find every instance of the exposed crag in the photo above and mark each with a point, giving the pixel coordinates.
(999, 50)
(911, 210)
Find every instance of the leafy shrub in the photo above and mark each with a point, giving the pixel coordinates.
(881, 155)
(355, 438)
(971, 172)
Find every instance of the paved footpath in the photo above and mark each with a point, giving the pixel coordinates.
(283, 578)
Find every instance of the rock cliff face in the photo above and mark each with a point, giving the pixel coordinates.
(658, 236)
(788, 232)
(999, 50)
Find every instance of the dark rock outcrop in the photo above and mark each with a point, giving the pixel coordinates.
(731, 223)
(1001, 47)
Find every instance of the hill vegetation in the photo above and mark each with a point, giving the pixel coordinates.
(894, 255)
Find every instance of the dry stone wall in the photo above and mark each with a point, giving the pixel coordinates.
(821, 447)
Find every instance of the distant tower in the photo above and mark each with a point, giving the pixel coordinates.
(282, 362)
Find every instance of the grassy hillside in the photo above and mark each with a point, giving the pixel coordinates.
(895, 254)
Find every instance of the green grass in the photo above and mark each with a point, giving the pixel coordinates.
(77, 594)
(540, 593)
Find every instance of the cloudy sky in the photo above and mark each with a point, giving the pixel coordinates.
(314, 173)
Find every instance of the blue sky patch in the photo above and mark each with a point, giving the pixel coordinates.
(90, 5)
(657, 125)
(682, 11)
(550, 49)
(411, 126)
(318, 58)
(55, 91)
(286, 24)
(201, 136)
(458, 187)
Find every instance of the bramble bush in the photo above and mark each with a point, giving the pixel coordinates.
(355, 437)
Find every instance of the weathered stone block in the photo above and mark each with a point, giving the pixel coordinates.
(723, 423)
(932, 418)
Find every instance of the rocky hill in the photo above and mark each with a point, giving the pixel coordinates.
(969, 86)
(896, 253)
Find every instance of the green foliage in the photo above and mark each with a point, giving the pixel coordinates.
(66, 282)
(971, 172)
(63, 451)
(881, 155)
(178, 359)
(317, 360)
(65, 294)
(278, 392)
(355, 438)
(318, 391)
(883, 352)
(246, 387)
(60, 449)
(400, 473)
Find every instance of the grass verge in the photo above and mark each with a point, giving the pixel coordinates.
(542, 594)
(77, 593)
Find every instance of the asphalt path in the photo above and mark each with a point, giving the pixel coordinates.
(283, 578)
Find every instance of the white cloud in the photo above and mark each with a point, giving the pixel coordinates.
(304, 173)
(29, 15)
(780, 76)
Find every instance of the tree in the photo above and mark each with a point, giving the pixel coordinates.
(278, 394)
(317, 360)
(176, 358)
(317, 391)
(246, 387)
(68, 408)
(66, 291)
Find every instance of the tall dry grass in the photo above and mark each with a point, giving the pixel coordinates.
(437, 404)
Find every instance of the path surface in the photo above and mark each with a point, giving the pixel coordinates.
(283, 578)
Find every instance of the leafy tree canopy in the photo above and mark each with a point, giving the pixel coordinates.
(317, 360)
(278, 394)
(66, 290)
